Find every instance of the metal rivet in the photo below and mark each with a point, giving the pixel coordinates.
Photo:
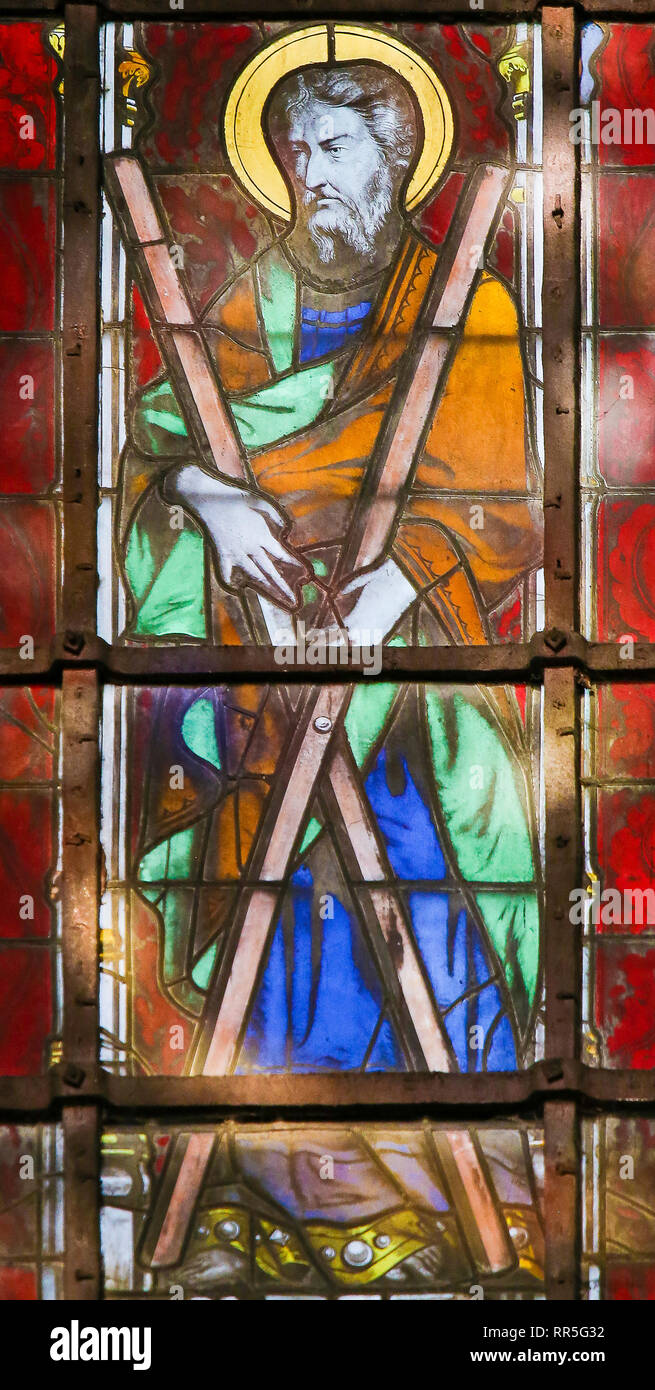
(323, 724)
(382, 1242)
(229, 1230)
(357, 1254)
(519, 1235)
(74, 1075)
(74, 642)
(555, 639)
(328, 1252)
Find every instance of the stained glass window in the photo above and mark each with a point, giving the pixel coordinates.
(619, 1208)
(30, 920)
(618, 201)
(619, 910)
(616, 911)
(315, 931)
(30, 329)
(327, 654)
(310, 305)
(325, 1212)
(31, 1211)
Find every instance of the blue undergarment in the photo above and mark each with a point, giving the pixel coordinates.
(323, 331)
(321, 1005)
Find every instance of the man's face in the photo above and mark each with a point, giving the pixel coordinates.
(343, 184)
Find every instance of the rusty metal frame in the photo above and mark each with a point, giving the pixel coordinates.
(560, 659)
(384, 1094)
(385, 9)
(80, 318)
(554, 648)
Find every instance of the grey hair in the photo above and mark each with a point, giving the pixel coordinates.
(380, 98)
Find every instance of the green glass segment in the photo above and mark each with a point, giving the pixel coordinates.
(199, 732)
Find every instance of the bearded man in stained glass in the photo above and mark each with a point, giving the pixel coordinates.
(308, 341)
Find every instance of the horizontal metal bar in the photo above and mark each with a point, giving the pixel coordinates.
(181, 9)
(381, 1091)
(197, 662)
(296, 9)
(446, 9)
(200, 663)
(32, 7)
(183, 663)
(601, 10)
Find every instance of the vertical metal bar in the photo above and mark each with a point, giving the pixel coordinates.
(80, 876)
(81, 318)
(562, 973)
(561, 1200)
(561, 319)
(80, 698)
(80, 903)
(563, 862)
(561, 313)
(82, 1279)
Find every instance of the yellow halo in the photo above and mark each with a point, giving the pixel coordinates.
(245, 141)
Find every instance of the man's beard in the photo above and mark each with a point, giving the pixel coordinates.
(351, 224)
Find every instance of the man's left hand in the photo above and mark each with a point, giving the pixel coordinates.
(370, 605)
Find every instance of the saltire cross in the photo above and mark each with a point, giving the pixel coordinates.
(320, 760)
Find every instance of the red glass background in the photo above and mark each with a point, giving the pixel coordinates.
(31, 1212)
(623, 852)
(621, 526)
(28, 849)
(30, 217)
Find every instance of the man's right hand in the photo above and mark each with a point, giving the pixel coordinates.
(245, 530)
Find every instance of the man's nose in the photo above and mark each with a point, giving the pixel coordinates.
(316, 173)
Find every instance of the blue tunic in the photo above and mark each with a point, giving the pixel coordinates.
(321, 1002)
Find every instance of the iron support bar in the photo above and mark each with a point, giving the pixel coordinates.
(81, 316)
(82, 1280)
(80, 868)
(561, 297)
(593, 1088)
(80, 724)
(561, 1200)
(563, 871)
(199, 663)
(80, 905)
(384, 9)
(443, 10)
(561, 317)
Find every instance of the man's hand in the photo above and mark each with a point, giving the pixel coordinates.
(245, 530)
(372, 603)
